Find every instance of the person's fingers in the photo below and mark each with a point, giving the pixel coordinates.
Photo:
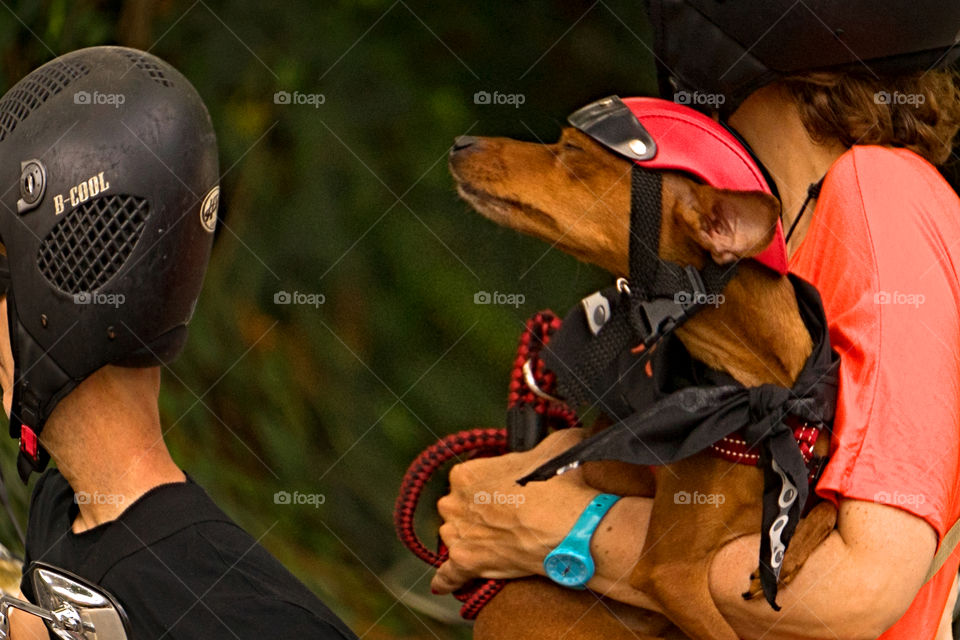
(441, 585)
(447, 507)
(449, 534)
(465, 473)
(450, 576)
(488, 539)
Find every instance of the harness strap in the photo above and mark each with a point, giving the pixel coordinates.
(947, 546)
(160, 513)
(659, 297)
(646, 196)
(651, 276)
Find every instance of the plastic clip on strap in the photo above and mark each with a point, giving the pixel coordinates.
(32, 456)
(660, 316)
(663, 294)
(525, 428)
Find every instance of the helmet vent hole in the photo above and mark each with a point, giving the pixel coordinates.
(35, 89)
(150, 68)
(90, 245)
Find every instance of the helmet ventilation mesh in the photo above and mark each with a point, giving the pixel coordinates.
(87, 248)
(148, 67)
(34, 90)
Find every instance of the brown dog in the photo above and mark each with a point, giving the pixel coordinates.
(575, 195)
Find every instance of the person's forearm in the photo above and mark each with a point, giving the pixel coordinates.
(25, 626)
(834, 595)
(616, 546)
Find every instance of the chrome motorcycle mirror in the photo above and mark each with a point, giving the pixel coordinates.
(71, 607)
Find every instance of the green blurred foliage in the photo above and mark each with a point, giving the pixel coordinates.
(351, 199)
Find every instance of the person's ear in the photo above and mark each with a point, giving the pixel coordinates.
(733, 224)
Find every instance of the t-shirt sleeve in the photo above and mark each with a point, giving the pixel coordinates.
(881, 250)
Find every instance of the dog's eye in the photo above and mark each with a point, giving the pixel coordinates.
(569, 146)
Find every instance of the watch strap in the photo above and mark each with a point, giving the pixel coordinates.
(583, 529)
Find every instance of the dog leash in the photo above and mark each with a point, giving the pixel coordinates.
(531, 413)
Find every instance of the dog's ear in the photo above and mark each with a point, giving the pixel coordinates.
(733, 224)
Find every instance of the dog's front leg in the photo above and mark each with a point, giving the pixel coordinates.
(811, 531)
(701, 503)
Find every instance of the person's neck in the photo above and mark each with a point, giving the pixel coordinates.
(106, 440)
(770, 123)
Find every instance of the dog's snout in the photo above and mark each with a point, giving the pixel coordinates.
(462, 142)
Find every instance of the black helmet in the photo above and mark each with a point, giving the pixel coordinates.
(714, 53)
(109, 183)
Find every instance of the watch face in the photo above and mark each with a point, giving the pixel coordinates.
(567, 569)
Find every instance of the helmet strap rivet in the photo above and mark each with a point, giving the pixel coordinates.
(637, 146)
(33, 184)
(111, 332)
(43, 320)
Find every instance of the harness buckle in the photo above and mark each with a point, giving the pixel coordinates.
(662, 315)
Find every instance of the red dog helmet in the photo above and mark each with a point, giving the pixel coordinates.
(661, 135)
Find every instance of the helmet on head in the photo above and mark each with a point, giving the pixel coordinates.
(108, 200)
(662, 136)
(712, 54)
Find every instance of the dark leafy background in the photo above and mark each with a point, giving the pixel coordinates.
(352, 200)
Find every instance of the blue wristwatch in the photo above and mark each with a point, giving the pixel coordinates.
(570, 564)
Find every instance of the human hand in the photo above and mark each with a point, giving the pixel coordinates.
(494, 528)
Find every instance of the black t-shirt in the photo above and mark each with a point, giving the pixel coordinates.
(178, 566)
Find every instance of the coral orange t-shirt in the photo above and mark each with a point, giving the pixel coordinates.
(883, 248)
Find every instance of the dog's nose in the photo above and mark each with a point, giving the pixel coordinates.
(462, 142)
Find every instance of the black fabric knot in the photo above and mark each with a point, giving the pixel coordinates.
(768, 401)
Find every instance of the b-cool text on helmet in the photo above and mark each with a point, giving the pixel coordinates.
(82, 192)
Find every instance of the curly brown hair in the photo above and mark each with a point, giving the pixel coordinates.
(920, 112)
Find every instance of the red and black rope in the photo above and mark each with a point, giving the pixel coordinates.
(483, 442)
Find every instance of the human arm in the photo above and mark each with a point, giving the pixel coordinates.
(511, 539)
(26, 626)
(856, 584)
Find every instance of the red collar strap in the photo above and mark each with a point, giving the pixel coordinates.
(733, 448)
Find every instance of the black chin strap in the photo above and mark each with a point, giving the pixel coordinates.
(652, 277)
(32, 399)
(658, 297)
(813, 192)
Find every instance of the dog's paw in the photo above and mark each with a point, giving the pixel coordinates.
(756, 589)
